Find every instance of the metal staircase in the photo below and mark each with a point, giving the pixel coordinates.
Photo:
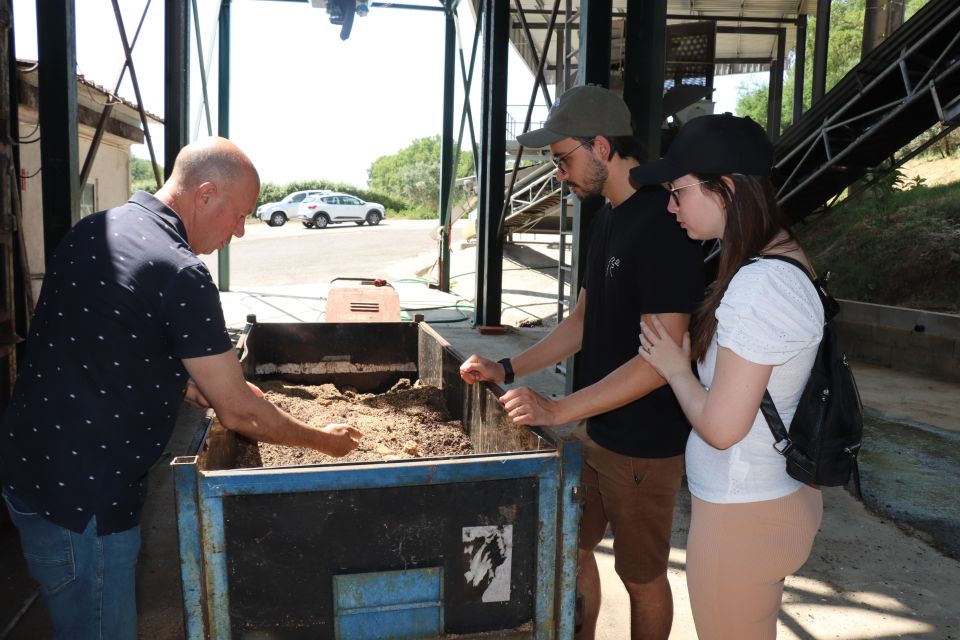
(534, 197)
(905, 86)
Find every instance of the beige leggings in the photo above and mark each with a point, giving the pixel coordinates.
(738, 556)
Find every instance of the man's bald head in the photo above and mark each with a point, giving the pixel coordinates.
(213, 187)
(214, 160)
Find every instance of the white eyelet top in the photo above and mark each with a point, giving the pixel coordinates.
(770, 314)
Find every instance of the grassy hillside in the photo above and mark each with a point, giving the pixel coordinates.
(901, 249)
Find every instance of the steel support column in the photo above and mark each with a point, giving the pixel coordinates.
(12, 271)
(596, 28)
(799, 68)
(880, 19)
(595, 34)
(775, 91)
(59, 154)
(645, 44)
(223, 121)
(563, 79)
(495, 16)
(820, 44)
(176, 101)
(448, 154)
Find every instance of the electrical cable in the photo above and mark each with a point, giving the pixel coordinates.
(36, 126)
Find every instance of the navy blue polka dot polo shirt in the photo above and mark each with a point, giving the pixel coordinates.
(99, 390)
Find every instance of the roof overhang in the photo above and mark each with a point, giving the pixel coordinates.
(748, 51)
(91, 98)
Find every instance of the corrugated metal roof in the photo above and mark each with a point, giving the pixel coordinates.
(738, 52)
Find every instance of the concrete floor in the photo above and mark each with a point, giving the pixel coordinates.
(876, 571)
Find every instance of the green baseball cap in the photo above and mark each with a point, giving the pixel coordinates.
(582, 112)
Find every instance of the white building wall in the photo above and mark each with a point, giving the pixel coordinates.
(110, 176)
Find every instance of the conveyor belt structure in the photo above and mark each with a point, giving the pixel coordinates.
(907, 85)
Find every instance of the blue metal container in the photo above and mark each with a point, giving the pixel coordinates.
(479, 545)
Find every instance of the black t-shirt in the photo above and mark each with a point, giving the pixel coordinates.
(102, 381)
(640, 261)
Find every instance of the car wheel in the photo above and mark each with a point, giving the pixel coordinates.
(308, 224)
(320, 221)
(277, 219)
(359, 223)
(373, 218)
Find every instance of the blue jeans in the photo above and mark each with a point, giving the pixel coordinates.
(87, 581)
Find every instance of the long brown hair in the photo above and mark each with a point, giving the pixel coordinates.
(753, 219)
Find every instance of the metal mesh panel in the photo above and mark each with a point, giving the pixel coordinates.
(690, 54)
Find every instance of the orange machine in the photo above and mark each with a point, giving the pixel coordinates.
(362, 300)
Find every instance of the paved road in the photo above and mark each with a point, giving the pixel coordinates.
(293, 255)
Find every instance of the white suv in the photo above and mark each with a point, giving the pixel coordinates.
(276, 214)
(330, 208)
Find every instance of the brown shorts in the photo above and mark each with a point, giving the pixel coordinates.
(636, 496)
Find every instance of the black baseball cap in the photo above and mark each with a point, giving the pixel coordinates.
(583, 111)
(711, 145)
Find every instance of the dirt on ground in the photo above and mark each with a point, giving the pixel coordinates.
(934, 170)
(408, 421)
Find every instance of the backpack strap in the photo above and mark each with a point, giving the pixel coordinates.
(830, 306)
(787, 259)
(780, 435)
(768, 408)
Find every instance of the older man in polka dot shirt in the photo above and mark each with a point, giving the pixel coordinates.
(128, 316)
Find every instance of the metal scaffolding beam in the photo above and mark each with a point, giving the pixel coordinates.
(496, 31)
(820, 45)
(223, 120)
(177, 81)
(646, 37)
(596, 29)
(799, 68)
(448, 154)
(775, 88)
(59, 147)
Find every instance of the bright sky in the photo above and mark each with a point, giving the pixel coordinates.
(304, 104)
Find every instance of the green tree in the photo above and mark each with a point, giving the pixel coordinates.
(272, 192)
(141, 175)
(413, 173)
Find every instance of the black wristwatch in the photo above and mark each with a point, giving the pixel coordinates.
(507, 370)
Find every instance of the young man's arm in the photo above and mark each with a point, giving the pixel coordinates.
(221, 383)
(561, 343)
(630, 381)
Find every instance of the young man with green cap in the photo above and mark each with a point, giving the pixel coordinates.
(640, 263)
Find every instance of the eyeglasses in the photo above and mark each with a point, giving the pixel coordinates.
(558, 160)
(673, 190)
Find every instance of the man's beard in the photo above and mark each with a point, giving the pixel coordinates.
(594, 182)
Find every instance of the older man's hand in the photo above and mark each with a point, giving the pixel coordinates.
(341, 439)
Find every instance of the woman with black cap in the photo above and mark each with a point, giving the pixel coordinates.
(758, 329)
